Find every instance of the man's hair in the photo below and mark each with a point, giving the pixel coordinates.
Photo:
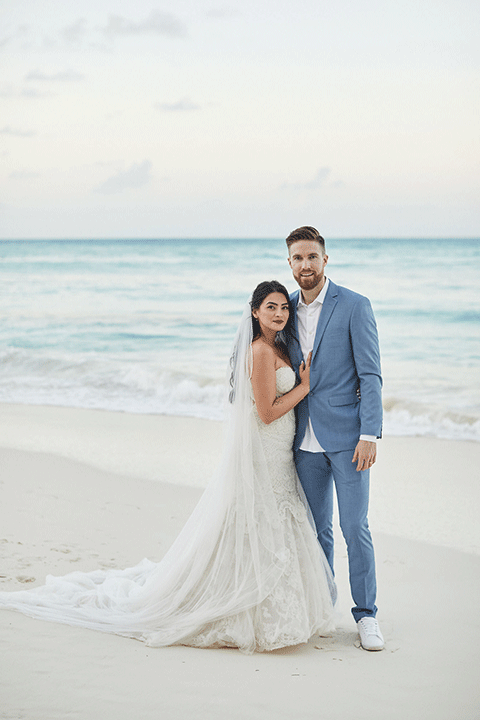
(307, 232)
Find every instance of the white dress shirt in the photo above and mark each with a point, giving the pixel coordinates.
(308, 317)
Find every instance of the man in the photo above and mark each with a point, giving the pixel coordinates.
(340, 420)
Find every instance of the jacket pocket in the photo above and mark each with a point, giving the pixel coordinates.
(347, 399)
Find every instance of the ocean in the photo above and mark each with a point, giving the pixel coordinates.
(146, 326)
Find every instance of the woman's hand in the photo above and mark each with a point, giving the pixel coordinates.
(304, 372)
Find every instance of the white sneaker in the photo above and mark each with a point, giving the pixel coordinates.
(370, 635)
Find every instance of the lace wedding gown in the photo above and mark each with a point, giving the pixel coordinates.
(246, 571)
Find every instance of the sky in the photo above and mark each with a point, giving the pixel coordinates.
(198, 118)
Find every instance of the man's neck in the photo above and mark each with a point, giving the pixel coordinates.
(308, 296)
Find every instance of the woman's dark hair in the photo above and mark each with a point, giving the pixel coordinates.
(261, 292)
(285, 337)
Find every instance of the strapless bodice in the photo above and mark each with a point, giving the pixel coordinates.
(286, 378)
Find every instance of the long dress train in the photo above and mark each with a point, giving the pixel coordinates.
(246, 571)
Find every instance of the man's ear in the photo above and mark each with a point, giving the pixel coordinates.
(289, 261)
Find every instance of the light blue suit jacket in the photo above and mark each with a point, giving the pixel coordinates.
(345, 399)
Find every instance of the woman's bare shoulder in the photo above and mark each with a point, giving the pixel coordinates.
(262, 351)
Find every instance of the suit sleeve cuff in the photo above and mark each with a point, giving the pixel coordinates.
(369, 438)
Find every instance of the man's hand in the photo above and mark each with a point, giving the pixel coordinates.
(365, 454)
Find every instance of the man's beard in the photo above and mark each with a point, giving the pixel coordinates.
(310, 282)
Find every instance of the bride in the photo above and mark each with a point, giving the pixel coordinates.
(247, 570)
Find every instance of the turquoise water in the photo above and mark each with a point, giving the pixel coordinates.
(147, 325)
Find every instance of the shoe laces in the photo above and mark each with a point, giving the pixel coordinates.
(369, 626)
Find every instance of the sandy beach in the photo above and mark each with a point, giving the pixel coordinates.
(82, 489)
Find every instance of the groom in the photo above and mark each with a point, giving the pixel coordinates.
(340, 420)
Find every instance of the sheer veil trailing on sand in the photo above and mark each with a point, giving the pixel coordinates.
(227, 559)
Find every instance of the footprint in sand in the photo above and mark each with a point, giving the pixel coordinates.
(22, 564)
(25, 578)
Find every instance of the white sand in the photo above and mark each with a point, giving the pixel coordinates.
(82, 489)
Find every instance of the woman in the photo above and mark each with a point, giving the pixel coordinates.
(246, 571)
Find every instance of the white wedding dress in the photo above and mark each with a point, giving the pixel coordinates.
(246, 571)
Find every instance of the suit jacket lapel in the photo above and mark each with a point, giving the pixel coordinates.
(295, 350)
(327, 308)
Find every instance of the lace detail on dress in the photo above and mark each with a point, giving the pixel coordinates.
(277, 440)
(300, 603)
(298, 607)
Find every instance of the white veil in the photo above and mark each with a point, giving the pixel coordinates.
(227, 559)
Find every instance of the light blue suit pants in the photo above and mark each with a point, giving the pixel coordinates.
(317, 472)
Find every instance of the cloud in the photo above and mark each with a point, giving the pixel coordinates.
(183, 105)
(9, 92)
(8, 130)
(67, 76)
(157, 23)
(23, 175)
(75, 32)
(20, 32)
(33, 93)
(135, 176)
(317, 182)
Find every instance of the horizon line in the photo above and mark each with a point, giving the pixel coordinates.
(230, 238)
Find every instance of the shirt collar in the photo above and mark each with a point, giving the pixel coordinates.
(318, 300)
